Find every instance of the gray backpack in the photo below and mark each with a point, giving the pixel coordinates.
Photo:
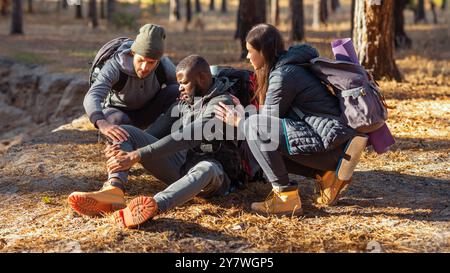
(362, 105)
(105, 53)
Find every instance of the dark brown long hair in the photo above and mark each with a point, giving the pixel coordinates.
(266, 39)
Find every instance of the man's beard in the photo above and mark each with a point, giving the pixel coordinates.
(196, 93)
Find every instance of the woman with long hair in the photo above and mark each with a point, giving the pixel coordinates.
(297, 129)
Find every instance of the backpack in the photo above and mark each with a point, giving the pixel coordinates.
(105, 53)
(244, 83)
(362, 105)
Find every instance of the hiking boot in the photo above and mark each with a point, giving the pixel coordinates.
(107, 200)
(280, 203)
(333, 184)
(138, 211)
(330, 188)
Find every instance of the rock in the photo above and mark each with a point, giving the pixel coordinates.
(71, 103)
(51, 88)
(374, 247)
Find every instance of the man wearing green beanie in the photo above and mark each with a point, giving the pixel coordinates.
(135, 85)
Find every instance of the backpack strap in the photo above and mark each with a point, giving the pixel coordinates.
(118, 86)
(160, 74)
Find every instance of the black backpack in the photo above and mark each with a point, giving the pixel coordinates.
(105, 53)
(243, 87)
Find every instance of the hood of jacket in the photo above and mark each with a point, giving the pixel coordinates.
(298, 54)
(124, 59)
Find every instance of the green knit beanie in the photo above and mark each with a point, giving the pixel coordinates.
(150, 41)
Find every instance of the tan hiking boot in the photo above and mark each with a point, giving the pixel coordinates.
(330, 188)
(106, 200)
(280, 203)
(333, 184)
(138, 211)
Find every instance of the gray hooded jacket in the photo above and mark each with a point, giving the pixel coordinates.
(191, 119)
(135, 93)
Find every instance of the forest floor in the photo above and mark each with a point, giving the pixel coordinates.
(398, 202)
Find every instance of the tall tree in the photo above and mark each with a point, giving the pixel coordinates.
(174, 11)
(419, 14)
(4, 7)
(110, 9)
(102, 9)
(93, 13)
(248, 17)
(261, 11)
(444, 4)
(188, 11)
(79, 10)
(212, 5)
(64, 4)
(198, 6)
(30, 6)
(17, 17)
(335, 5)
(320, 13)
(224, 7)
(433, 10)
(275, 12)
(352, 17)
(401, 39)
(297, 17)
(374, 37)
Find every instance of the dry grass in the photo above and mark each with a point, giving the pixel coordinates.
(399, 199)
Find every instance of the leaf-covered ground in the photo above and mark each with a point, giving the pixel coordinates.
(399, 201)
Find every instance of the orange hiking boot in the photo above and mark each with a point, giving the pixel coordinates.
(107, 200)
(280, 203)
(138, 211)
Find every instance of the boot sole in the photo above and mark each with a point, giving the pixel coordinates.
(84, 205)
(138, 211)
(298, 212)
(354, 149)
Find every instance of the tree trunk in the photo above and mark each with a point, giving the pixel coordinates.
(93, 13)
(374, 38)
(212, 5)
(262, 11)
(30, 6)
(297, 17)
(64, 4)
(110, 9)
(433, 9)
(4, 7)
(17, 17)
(323, 11)
(79, 11)
(420, 15)
(275, 12)
(249, 17)
(174, 11)
(198, 6)
(102, 9)
(352, 18)
(224, 7)
(188, 11)
(401, 39)
(444, 4)
(335, 5)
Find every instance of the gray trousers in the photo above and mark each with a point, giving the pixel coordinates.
(277, 164)
(206, 178)
(145, 116)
